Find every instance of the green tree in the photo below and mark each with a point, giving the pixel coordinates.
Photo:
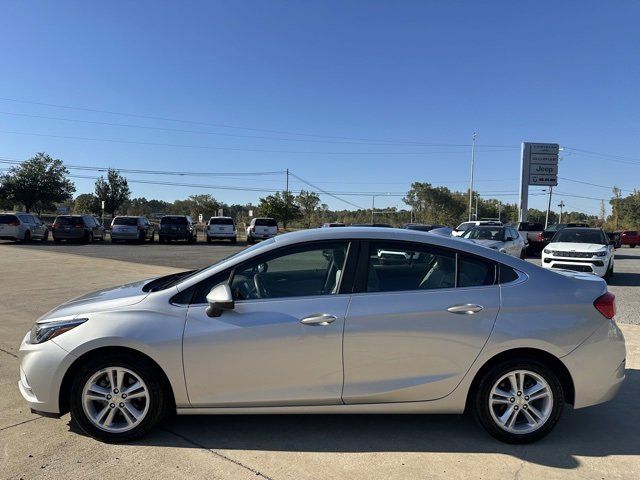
(114, 191)
(280, 206)
(87, 203)
(37, 183)
(308, 203)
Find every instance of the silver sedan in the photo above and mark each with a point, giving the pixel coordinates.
(344, 320)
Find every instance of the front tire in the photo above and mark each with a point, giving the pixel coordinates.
(118, 398)
(519, 401)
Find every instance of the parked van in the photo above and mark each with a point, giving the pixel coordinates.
(221, 228)
(261, 229)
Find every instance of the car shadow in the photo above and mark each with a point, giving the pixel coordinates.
(601, 431)
(625, 279)
(621, 256)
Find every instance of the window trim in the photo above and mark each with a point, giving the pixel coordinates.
(362, 269)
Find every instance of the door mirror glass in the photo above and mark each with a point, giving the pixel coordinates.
(219, 299)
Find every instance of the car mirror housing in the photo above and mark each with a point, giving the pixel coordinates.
(219, 299)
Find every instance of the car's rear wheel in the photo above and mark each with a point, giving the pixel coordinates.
(27, 237)
(118, 398)
(633, 246)
(45, 237)
(519, 401)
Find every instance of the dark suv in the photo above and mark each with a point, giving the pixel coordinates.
(177, 227)
(86, 228)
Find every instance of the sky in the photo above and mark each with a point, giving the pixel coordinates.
(360, 97)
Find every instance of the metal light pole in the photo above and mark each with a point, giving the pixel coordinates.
(473, 161)
(546, 220)
(476, 216)
(561, 205)
(373, 206)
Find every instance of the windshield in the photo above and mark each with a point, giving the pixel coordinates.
(130, 221)
(571, 235)
(484, 233)
(175, 278)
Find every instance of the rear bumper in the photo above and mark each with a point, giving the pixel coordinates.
(70, 235)
(221, 234)
(125, 235)
(176, 235)
(597, 367)
(261, 236)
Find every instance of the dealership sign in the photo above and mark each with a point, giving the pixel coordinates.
(539, 167)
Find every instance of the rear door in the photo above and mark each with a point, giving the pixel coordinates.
(417, 322)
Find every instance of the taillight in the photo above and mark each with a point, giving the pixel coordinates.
(56, 225)
(14, 223)
(79, 225)
(540, 237)
(606, 305)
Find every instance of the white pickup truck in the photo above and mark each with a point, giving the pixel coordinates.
(531, 233)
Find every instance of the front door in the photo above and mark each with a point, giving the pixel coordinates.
(416, 329)
(281, 344)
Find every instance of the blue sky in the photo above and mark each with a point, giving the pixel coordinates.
(358, 96)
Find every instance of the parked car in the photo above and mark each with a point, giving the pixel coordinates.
(333, 224)
(221, 228)
(586, 250)
(381, 225)
(531, 233)
(132, 228)
(545, 237)
(505, 239)
(22, 227)
(85, 228)
(177, 227)
(261, 229)
(314, 322)
(422, 227)
(629, 237)
(464, 226)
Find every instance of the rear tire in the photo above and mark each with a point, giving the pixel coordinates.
(56, 240)
(234, 240)
(131, 418)
(160, 239)
(518, 401)
(27, 237)
(633, 246)
(208, 239)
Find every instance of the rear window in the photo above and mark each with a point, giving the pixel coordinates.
(6, 219)
(173, 221)
(68, 220)
(266, 222)
(221, 221)
(129, 221)
(530, 227)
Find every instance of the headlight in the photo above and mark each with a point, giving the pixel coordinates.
(602, 253)
(41, 332)
(547, 251)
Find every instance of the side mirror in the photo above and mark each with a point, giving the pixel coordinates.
(219, 299)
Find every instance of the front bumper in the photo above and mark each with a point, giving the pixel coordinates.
(597, 367)
(42, 368)
(597, 266)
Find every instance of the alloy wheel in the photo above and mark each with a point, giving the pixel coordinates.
(521, 402)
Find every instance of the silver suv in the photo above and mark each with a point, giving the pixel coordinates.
(22, 227)
(133, 228)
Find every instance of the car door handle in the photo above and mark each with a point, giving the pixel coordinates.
(319, 320)
(466, 309)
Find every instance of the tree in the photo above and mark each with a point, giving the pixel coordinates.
(114, 191)
(280, 206)
(308, 203)
(37, 183)
(87, 203)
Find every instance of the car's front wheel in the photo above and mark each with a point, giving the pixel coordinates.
(118, 398)
(519, 401)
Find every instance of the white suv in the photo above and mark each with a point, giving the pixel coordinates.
(22, 227)
(580, 249)
(221, 228)
(261, 229)
(464, 226)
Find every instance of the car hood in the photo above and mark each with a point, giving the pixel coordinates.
(107, 299)
(575, 247)
(496, 244)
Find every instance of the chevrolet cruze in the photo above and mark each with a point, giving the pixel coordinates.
(337, 320)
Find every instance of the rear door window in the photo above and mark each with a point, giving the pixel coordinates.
(475, 272)
(403, 266)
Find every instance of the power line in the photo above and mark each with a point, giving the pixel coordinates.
(609, 187)
(613, 158)
(327, 193)
(225, 125)
(233, 149)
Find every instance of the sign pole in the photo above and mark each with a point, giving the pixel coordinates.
(473, 161)
(524, 182)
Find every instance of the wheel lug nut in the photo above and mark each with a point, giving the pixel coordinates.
(113, 405)
(515, 408)
(526, 397)
(121, 404)
(124, 395)
(115, 390)
(512, 399)
(525, 406)
(108, 397)
(519, 393)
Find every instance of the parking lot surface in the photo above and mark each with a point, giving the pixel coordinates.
(595, 443)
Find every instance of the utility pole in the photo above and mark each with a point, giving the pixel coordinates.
(373, 206)
(546, 220)
(499, 210)
(473, 161)
(287, 189)
(476, 207)
(561, 205)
